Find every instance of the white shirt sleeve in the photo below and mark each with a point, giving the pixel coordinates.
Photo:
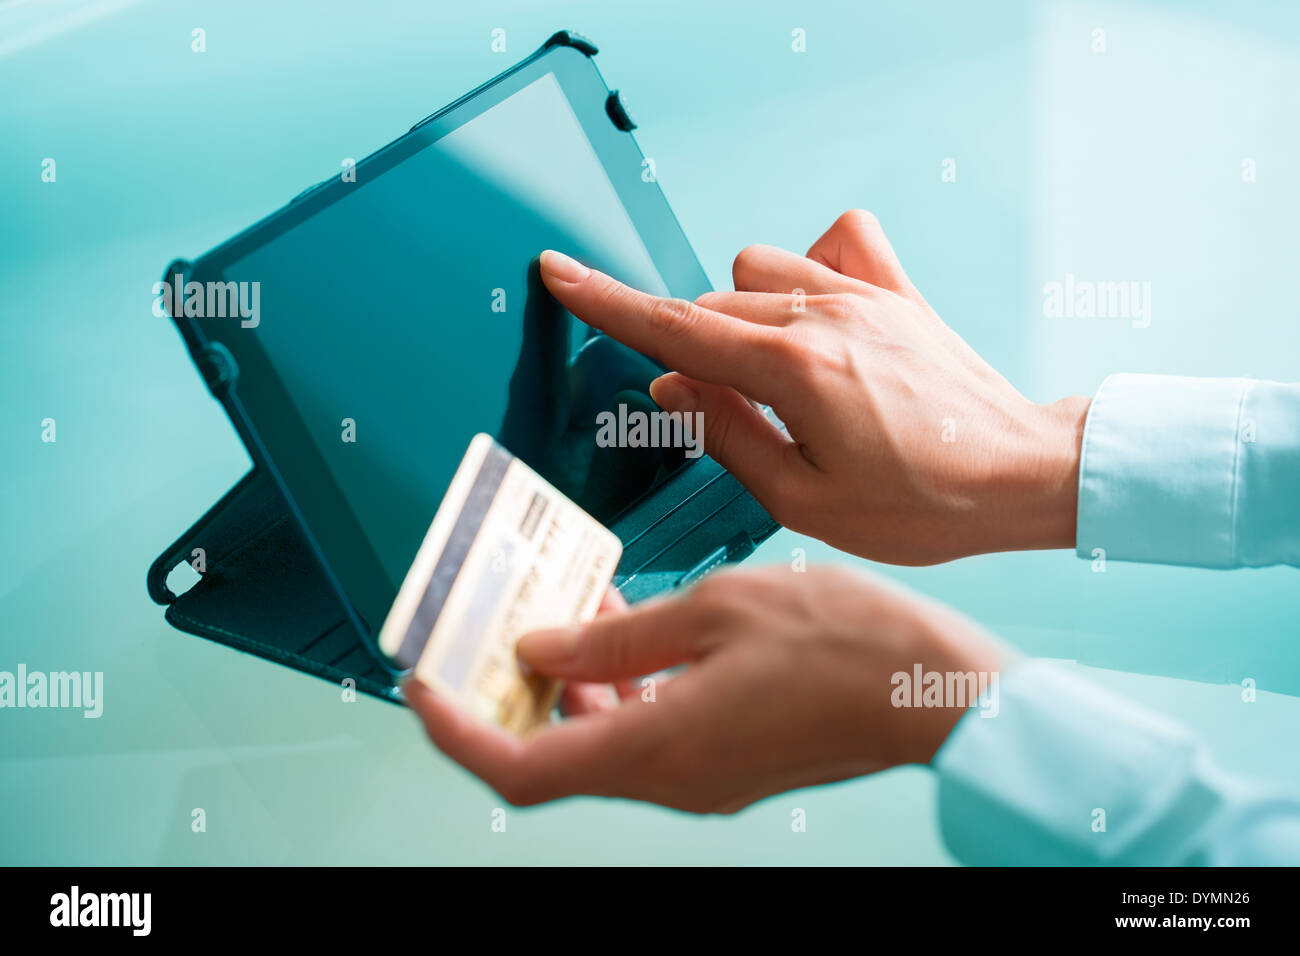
(1193, 471)
(1067, 773)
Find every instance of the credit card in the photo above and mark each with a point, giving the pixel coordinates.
(506, 554)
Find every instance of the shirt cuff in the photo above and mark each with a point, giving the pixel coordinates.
(1158, 470)
(1066, 773)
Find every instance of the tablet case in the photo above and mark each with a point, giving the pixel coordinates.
(262, 589)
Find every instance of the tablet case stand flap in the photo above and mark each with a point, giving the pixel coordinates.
(260, 590)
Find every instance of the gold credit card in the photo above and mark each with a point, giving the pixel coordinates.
(506, 554)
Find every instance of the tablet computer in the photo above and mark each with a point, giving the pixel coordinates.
(362, 334)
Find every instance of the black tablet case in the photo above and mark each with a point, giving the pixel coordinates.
(263, 591)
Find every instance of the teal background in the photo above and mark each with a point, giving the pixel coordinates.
(1114, 166)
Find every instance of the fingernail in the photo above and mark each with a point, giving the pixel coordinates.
(672, 394)
(542, 650)
(559, 266)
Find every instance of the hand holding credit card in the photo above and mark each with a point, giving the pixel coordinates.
(506, 554)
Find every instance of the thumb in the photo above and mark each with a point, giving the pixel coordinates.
(650, 637)
(736, 434)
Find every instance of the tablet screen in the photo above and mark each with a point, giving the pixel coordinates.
(406, 316)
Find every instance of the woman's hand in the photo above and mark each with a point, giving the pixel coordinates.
(903, 445)
(791, 681)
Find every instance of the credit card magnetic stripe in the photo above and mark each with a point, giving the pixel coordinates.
(488, 593)
(486, 484)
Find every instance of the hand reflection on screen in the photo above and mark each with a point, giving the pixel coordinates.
(550, 418)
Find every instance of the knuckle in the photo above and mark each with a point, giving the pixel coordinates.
(840, 306)
(711, 300)
(746, 262)
(798, 353)
(860, 219)
(610, 296)
(816, 355)
(779, 349)
(671, 317)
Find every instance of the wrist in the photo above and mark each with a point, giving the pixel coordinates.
(1039, 496)
(970, 662)
(1059, 469)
